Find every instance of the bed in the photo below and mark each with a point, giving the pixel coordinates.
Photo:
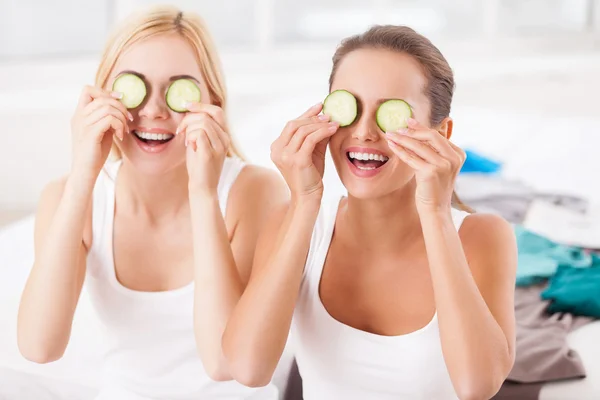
(533, 149)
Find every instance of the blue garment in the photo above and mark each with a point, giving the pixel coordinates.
(539, 258)
(575, 290)
(477, 163)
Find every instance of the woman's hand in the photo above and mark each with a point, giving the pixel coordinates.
(99, 116)
(436, 162)
(207, 145)
(299, 152)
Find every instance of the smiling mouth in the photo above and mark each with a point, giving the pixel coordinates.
(367, 161)
(153, 139)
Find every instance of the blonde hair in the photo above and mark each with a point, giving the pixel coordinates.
(160, 20)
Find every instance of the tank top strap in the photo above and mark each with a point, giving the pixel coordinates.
(458, 217)
(103, 206)
(231, 170)
(321, 238)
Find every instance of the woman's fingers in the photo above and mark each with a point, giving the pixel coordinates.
(98, 103)
(290, 129)
(419, 148)
(303, 131)
(90, 93)
(198, 140)
(194, 131)
(215, 112)
(108, 110)
(104, 125)
(316, 137)
(412, 160)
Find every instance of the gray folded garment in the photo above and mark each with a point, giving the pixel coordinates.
(542, 352)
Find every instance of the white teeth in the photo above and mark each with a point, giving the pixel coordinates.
(153, 136)
(368, 156)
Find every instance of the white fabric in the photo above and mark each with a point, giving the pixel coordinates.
(151, 348)
(337, 361)
(563, 225)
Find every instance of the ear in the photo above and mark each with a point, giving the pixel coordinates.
(445, 127)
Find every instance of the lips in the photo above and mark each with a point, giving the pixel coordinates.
(152, 140)
(364, 162)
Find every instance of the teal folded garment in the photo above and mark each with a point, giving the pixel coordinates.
(539, 257)
(575, 290)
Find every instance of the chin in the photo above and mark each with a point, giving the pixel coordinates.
(154, 164)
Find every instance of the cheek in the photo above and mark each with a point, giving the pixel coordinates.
(337, 139)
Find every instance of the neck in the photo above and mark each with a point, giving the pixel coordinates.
(384, 223)
(157, 196)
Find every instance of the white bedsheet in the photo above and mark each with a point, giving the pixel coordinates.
(18, 385)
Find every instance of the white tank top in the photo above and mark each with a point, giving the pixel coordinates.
(337, 361)
(150, 335)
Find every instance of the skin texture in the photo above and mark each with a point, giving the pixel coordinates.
(167, 217)
(411, 261)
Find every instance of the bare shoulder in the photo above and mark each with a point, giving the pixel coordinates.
(257, 188)
(489, 240)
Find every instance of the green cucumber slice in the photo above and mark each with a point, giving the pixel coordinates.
(341, 106)
(180, 92)
(393, 115)
(133, 89)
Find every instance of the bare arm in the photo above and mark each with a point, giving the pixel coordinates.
(222, 268)
(473, 271)
(63, 221)
(52, 290)
(257, 332)
(474, 292)
(258, 329)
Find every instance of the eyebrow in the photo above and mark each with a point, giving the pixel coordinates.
(174, 78)
(171, 79)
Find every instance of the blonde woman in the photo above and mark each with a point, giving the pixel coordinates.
(163, 232)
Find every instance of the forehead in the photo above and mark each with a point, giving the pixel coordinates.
(160, 57)
(374, 74)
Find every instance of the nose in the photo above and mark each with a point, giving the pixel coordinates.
(365, 129)
(155, 107)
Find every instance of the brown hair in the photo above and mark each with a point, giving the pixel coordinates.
(402, 39)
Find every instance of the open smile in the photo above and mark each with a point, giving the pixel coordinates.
(365, 163)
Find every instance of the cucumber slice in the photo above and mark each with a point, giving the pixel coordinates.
(180, 92)
(392, 115)
(341, 106)
(133, 89)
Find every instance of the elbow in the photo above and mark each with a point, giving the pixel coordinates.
(37, 349)
(251, 375)
(248, 370)
(218, 374)
(39, 354)
(246, 366)
(483, 382)
(479, 388)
